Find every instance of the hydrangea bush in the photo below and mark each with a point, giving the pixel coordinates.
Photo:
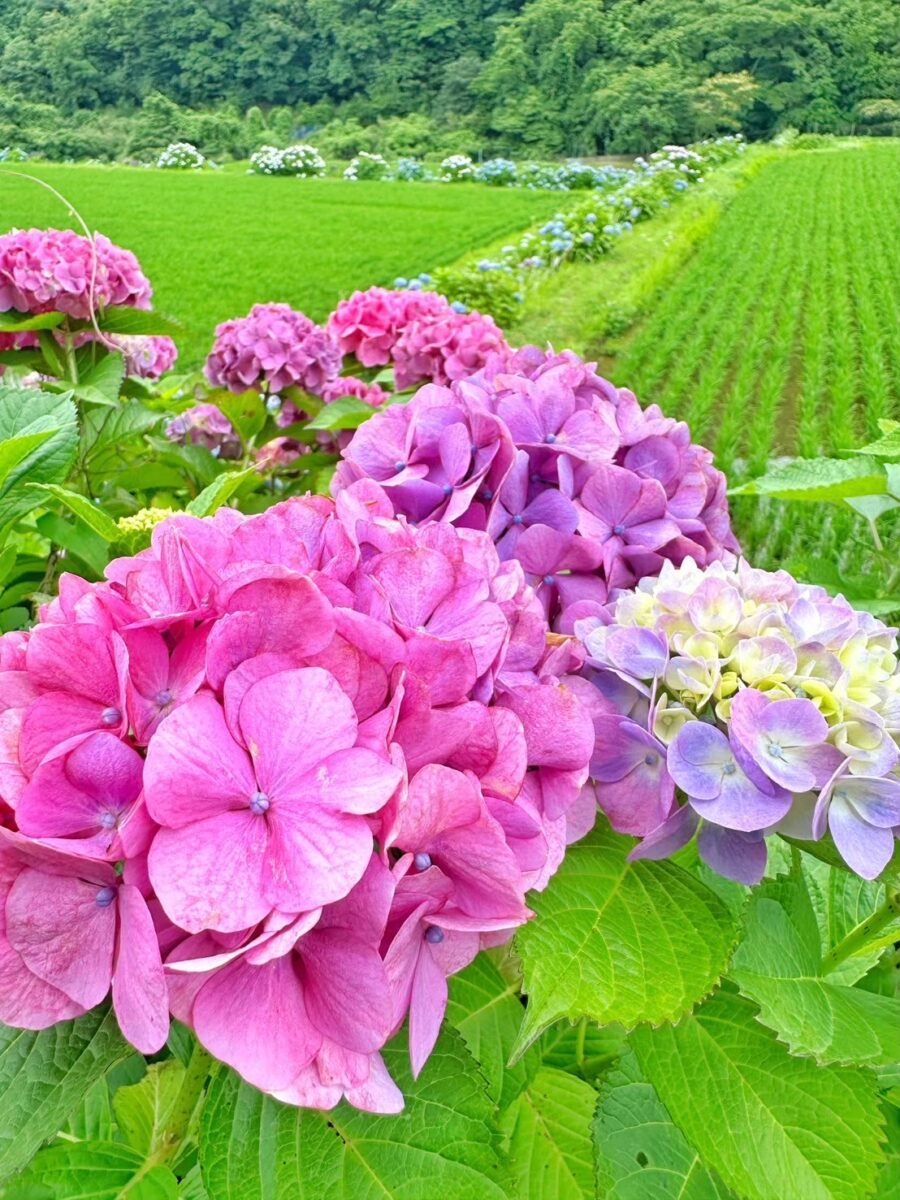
(367, 166)
(181, 156)
(301, 160)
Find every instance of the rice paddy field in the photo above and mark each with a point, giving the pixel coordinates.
(215, 243)
(781, 335)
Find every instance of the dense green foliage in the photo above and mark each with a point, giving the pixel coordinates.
(781, 337)
(536, 76)
(201, 242)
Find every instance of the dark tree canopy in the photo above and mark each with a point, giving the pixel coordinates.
(522, 76)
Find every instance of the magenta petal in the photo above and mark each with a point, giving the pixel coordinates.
(315, 855)
(427, 1005)
(63, 934)
(353, 781)
(346, 990)
(697, 757)
(290, 722)
(139, 992)
(378, 1094)
(208, 875)
(194, 768)
(254, 1019)
(26, 1001)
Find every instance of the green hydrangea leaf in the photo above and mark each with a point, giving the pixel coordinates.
(45, 1076)
(641, 1154)
(771, 1125)
(92, 1171)
(778, 964)
(486, 1010)
(620, 942)
(443, 1144)
(549, 1153)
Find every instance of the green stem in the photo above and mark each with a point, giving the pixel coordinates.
(580, 1037)
(858, 939)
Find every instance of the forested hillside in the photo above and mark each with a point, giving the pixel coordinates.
(521, 76)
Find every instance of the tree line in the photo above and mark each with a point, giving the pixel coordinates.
(524, 77)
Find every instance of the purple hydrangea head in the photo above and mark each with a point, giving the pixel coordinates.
(445, 347)
(205, 425)
(273, 348)
(147, 357)
(776, 705)
(56, 270)
(599, 493)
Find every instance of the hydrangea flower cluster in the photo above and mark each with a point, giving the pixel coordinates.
(47, 270)
(737, 702)
(181, 156)
(411, 170)
(301, 160)
(421, 333)
(457, 168)
(367, 166)
(274, 347)
(205, 425)
(282, 775)
(568, 474)
(146, 357)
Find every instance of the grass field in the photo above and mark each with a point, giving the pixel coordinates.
(213, 244)
(781, 335)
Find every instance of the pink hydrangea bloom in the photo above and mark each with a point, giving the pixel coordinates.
(46, 270)
(147, 357)
(274, 347)
(332, 752)
(205, 425)
(737, 702)
(421, 333)
(568, 474)
(369, 324)
(349, 385)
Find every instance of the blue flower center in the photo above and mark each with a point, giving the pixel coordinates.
(108, 820)
(111, 716)
(548, 579)
(651, 760)
(399, 465)
(447, 489)
(618, 530)
(422, 860)
(434, 935)
(729, 769)
(518, 519)
(105, 897)
(259, 803)
(164, 697)
(550, 439)
(775, 750)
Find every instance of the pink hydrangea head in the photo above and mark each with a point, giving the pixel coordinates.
(47, 270)
(359, 389)
(597, 493)
(274, 347)
(205, 425)
(445, 347)
(147, 357)
(738, 702)
(279, 453)
(368, 324)
(331, 752)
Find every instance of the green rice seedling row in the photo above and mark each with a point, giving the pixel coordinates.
(215, 243)
(782, 334)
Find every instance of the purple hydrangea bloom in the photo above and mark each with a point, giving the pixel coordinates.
(274, 347)
(775, 706)
(597, 493)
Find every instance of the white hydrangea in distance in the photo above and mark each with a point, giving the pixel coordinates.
(181, 156)
(301, 160)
